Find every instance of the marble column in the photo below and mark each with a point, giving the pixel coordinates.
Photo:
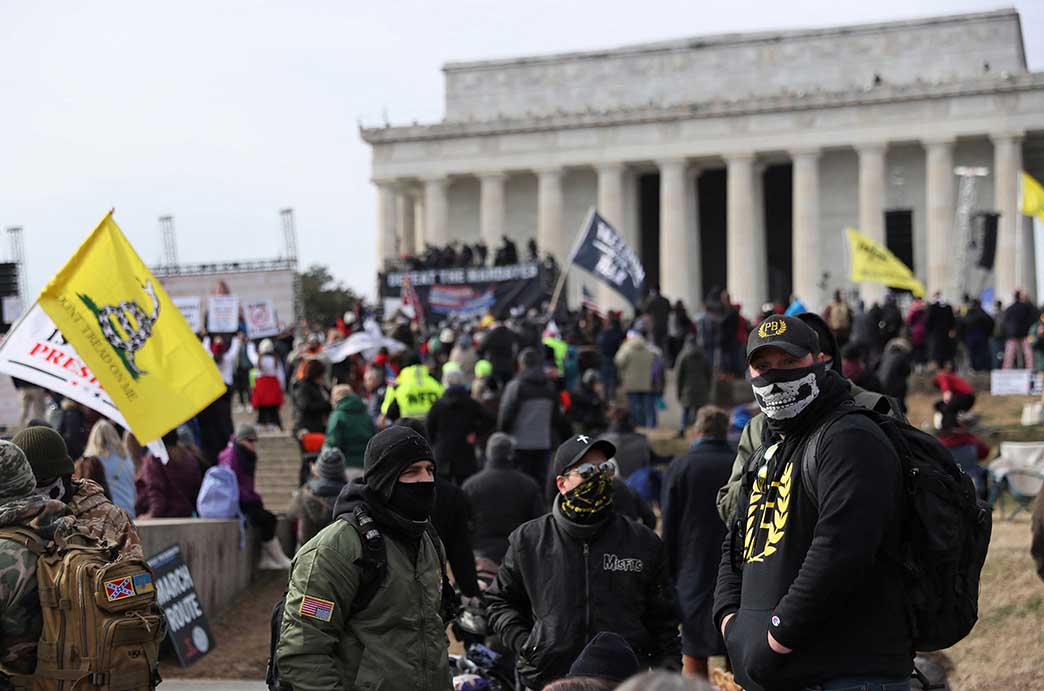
(745, 254)
(419, 217)
(550, 237)
(675, 277)
(1028, 254)
(805, 240)
(492, 208)
(405, 217)
(436, 211)
(387, 242)
(695, 254)
(611, 208)
(1007, 165)
(871, 208)
(940, 199)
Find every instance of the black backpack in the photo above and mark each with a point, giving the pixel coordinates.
(946, 530)
(374, 569)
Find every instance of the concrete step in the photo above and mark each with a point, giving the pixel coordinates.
(279, 461)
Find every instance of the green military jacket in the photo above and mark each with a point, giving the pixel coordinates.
(750, 440)
(396, 643)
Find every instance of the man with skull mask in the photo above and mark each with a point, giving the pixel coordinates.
(755, 432)
(806, 594)
(95, 514)
(581, 570)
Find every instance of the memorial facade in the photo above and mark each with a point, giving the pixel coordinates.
(734, 161)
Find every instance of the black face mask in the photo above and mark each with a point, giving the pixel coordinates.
(784, 395)
(414, 500)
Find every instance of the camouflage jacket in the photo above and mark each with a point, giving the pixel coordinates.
(20, 618)
(100, 518)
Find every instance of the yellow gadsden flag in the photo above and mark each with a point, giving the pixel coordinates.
(1032, 196)
(876, 264)
(119, 319)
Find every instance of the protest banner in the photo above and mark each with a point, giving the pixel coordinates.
(37, 352)
(261, 320)
(187, 625)
(192, 309)
(12, 309)
(467, 291)
(222, 314)
(126, 330)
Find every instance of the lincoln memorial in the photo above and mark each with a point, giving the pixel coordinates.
(734, 161)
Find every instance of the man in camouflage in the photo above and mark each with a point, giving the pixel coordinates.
(95, 514)
(20, 507)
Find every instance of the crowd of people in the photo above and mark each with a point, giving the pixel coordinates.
(461, 255)
(511, 449)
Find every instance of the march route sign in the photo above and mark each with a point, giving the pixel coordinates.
(187, 625)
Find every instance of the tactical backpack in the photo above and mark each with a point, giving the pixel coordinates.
(945, 530)
(101, 626)
(373, 565)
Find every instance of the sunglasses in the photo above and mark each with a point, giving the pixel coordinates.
(588, 470)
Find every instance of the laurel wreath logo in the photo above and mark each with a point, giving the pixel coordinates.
(774, 528)
(772, 327)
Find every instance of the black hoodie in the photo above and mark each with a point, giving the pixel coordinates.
(817, 575)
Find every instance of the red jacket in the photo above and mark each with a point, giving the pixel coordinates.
(948, 381)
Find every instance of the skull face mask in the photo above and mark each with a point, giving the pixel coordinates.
(783, 394)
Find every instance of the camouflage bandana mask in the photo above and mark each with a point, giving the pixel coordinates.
(590, 502)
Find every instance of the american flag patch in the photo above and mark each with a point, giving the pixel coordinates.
(316, 609)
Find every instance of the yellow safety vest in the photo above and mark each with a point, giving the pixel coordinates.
(415, 391)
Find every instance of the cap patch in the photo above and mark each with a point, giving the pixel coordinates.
(772, 327)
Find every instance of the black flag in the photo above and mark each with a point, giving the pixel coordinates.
(605, 254)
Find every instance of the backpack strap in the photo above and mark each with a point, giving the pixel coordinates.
(373, 563)
(810, 450)
(880, 403)
(26, 538)
(450, 599)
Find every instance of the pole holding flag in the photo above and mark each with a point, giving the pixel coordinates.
(124, 327)
(873, 263)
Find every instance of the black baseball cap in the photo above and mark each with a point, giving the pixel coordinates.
(789, 334)
(574, 448)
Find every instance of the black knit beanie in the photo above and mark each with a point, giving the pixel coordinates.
(607, 656)
(390, 452)
(46, 451)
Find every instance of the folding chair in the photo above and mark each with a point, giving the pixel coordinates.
(1020, 471)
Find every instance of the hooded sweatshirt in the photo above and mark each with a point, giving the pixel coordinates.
(816, 574)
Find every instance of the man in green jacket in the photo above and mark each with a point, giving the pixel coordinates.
(397, 641)
(350, 426)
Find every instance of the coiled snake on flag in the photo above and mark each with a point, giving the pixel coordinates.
(135, 337)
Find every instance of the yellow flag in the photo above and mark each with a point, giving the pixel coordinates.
(119, 319)
(876, 264)
(1032, 197)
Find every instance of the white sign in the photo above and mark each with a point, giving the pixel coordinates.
(261, 319)
(1014, 382)
(223, 314)
(192, 310)
(36, 351)
(12, 306)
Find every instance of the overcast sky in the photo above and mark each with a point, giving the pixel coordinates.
(222, 113)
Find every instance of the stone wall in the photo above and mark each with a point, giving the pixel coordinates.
(737, 66)
(220, 569)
